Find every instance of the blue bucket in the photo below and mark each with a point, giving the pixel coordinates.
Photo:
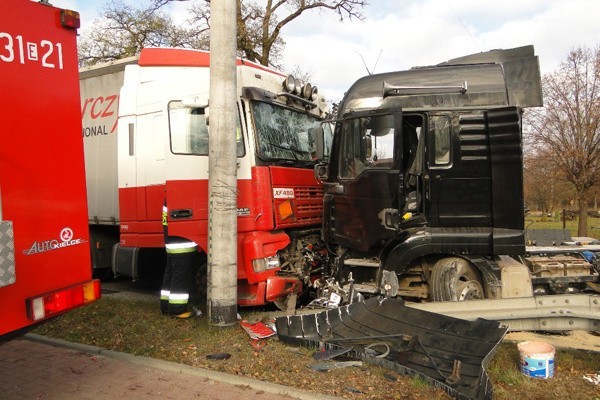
(537, 359)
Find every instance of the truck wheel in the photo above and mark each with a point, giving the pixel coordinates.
(455, 279)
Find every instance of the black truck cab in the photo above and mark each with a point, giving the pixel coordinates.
(426, 170)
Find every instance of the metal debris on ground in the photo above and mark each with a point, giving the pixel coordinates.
(390, 377)
(353, 390)
(324, 354)
(448, 352)
(592, 378)
(257, 345)
(322, 367)
(257, 330)
(218, 356)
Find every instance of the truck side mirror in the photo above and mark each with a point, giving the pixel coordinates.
(321, 172)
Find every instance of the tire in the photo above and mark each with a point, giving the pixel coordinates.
(455, 279)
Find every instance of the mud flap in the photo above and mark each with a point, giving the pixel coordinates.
(449, 353)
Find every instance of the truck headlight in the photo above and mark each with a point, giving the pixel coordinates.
(289, 84)
(263, 264)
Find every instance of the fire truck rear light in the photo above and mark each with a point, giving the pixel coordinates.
(57, 302)
(37, 309)
(70, 19)
(91, 292)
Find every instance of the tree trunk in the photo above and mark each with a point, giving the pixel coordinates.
(582, 224)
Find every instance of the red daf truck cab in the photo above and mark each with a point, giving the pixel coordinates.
(146, 126)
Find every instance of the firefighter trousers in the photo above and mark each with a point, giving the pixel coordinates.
(178, 278)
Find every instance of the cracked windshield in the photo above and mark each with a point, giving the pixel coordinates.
(283, 134)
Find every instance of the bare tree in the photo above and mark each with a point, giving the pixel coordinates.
(124, 30)
(540, 182)
(250, 18)
(567, 128)
(269, 24)
(259, 26)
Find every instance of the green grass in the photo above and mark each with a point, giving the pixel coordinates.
(540, 222)
(505, 367)
(570, 366)
(419, 382)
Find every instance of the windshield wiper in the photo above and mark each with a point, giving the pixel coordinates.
(281, 161)
(295, 151)
(287, 161)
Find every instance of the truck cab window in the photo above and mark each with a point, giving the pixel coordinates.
(189, 130)
(367, 143)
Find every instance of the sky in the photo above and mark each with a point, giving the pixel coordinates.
(400, 34)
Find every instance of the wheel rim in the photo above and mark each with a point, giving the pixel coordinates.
(454, 279)
(469, 290)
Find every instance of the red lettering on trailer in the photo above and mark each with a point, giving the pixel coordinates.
(114, 128)
(93, 113)
(101, 107)
(111, 100)
(87, 101)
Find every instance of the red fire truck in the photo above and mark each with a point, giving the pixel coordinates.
(145, 129)
(44, 241)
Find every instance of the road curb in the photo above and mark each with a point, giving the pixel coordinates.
(182, 368)
(84, 348)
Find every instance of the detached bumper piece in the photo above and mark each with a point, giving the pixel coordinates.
(449, 353)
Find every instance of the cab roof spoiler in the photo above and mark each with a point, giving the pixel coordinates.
(496, 78)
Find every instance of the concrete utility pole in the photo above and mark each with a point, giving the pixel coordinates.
(222, 213)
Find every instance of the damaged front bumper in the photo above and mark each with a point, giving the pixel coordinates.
(449, 353)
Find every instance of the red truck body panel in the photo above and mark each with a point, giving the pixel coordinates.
(42, 179)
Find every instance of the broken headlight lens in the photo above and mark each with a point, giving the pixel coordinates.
(263, 264)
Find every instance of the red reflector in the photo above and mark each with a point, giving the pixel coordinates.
(53, 303)
(70, 19)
